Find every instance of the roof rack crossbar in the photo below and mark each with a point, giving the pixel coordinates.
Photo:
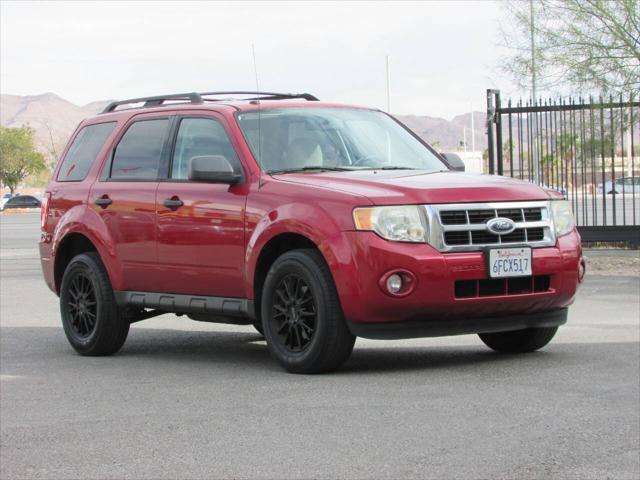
(266, 95)
(192, 97)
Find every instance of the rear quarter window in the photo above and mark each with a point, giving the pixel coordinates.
(83, 151)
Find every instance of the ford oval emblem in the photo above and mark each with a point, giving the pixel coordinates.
(501, 226)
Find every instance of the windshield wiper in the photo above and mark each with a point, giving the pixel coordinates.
(308, 168)
(388, 167)
(394, 167)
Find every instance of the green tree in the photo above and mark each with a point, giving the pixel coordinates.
(580, 45)
(18, 156)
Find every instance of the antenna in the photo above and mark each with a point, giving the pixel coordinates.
(388, 86)
(255, 66)
(255, 71)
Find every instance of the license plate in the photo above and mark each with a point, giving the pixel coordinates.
(509, 262)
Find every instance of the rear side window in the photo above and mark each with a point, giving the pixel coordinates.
(199, 137)
(83, 151)
(137, 156)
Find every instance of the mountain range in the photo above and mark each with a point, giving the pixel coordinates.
(54, 119)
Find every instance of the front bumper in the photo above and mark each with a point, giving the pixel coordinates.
(445, 327)
(434, 298)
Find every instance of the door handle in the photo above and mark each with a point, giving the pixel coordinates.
(173, 203)
(103, 201)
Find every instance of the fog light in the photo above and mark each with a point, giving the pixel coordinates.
(394, 283)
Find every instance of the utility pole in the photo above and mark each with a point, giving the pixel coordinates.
(388, 86)
(533, 50)
(534, 116)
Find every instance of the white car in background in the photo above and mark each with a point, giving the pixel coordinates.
(4, 199)
(622, 184)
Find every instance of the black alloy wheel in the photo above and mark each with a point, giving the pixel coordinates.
(304, 325)
(92, 321)
(82, 307)
(294, 313)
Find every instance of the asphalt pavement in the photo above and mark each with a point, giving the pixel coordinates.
(185, 399)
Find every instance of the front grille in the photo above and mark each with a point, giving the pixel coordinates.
(496, 287)
(535, 234)
(463, 227)
(481, 216)
(517, 236)
(532, 214)
(514, 214)
(456, 238)
(482, 237)
(454, 217)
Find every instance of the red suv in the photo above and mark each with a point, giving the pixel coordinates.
(313, 221)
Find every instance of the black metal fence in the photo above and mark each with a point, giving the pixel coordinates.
(586, 149)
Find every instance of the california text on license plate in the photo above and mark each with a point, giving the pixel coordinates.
(509, 262)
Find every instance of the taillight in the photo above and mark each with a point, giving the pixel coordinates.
(44, 210)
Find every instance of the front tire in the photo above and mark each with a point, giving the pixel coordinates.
(258, 327)
(519, 341)
(91, 319)
(302, 318)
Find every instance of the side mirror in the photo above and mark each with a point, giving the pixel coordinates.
(454, 160)
(213, 169)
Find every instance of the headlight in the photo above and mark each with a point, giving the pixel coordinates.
(562, 217)
(402, 223)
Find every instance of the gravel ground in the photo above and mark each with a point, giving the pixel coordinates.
(613, 262)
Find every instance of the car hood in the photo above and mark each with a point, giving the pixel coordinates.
(394, 187)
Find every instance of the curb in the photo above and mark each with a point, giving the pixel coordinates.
(19, 210)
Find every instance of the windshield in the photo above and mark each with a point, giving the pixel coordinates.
(329, 138)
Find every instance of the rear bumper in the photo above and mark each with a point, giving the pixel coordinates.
(444, 327)
(47, 263)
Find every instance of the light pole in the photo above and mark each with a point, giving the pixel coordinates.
(534, 115)
(473, 131)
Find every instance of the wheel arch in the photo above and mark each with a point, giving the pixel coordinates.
(276, 246)
(81, 230)
(71, 245)
(290, 230)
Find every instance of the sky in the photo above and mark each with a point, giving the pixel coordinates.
(442, 54)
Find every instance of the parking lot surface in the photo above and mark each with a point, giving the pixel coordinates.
(185, 399)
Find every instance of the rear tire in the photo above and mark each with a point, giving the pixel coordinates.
(519, 341)
(302, 318)
(91, 319)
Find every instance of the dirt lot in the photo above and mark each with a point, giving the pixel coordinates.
(613, 262)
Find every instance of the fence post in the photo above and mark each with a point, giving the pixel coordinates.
(491, 112)
(498, 122)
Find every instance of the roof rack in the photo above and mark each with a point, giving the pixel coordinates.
(266, 95)
(196, 98)
(192, 97)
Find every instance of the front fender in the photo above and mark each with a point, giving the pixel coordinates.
(85, 221)
(317, 225)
